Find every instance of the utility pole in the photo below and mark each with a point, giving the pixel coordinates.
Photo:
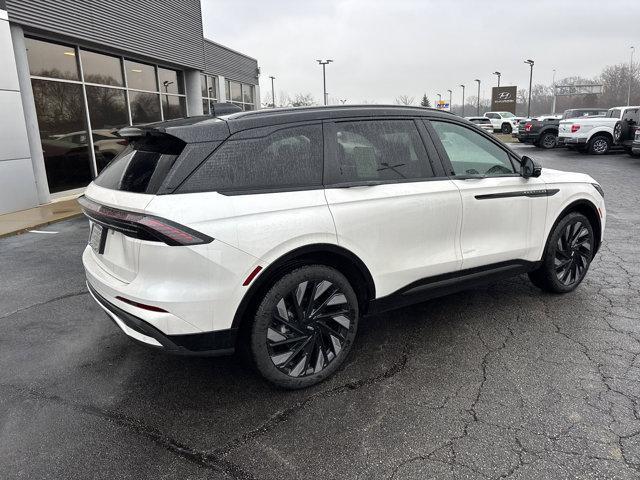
(478, 104)
(324, 63)
(450, 97)
(273, 93)
(462, 99)
(439, 100)
(498, 74)
(553, 84)
(530, 62)
(630, 76)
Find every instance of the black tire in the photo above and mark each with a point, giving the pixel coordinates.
(618, 131)
(567, 255)
(547, 141)
(599, 145)
(317, 334)
(506, 128)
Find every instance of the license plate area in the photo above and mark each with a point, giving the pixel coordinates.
(98, 238)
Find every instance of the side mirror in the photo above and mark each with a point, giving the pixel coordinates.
(529, 168)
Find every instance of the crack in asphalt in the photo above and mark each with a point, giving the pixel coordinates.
(39, 304)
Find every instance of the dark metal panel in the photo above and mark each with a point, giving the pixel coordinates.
(221, 60)
(169, 31)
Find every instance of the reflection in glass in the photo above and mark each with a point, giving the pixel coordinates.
(63, 133)
(145, 107)
(173, 107)
(103, 69)
(170, 81)
(205, 107)
(203, 83)
(247, 93)
(234, 91)
(212, 90)
(108, 113)
(141, 76)
(48, 59)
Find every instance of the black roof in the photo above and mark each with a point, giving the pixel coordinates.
(207, 128)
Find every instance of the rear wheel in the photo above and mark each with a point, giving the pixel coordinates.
(567, 256)
(599, 145)
(547, 140)
(506, 128)
(304, 327)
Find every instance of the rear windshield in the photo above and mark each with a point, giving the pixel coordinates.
(142, 166)
(480, 120)
(583, 113)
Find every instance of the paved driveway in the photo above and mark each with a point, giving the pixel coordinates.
(496, 382)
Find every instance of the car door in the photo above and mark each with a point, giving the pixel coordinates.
(391, 202)
(503, 213)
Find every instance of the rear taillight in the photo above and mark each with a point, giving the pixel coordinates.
(527, 127)
(575, 127)
(141, 225)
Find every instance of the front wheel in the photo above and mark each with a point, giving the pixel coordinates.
(304, 327)
(506, 128)
(567, 256)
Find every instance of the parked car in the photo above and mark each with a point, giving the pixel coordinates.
(598, 134)
(503, 122)
(482, 122)
(540, 131)
(279, 229)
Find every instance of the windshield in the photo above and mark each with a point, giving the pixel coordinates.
(614, 113)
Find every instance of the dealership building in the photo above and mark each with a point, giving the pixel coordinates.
(73, 72)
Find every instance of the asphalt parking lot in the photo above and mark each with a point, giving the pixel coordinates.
(498, 382)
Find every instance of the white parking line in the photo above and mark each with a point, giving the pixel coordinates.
(41, 231)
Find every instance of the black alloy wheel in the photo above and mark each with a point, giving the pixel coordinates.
(304, 327)
(567, 256)
(573, 253)
(548, 141)
(506, 128)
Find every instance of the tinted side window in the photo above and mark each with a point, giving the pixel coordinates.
(378, 150)
(470, 153)
(291, 157)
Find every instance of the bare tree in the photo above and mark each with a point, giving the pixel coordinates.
(303, 100)
(405, 100)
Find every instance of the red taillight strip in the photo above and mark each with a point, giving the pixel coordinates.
(169, 232)
(151, 308)
(251, 276)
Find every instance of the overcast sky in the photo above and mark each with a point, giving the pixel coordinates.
(382, 49)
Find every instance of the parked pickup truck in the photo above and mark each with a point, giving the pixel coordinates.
(597, 135)
(502, 121)
(540, 131)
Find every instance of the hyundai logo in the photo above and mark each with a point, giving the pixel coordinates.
(504, 95)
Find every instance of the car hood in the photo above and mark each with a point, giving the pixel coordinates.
(549, 175)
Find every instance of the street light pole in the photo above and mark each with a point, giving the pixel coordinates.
(553, 83)
(324, 63)
(462, 99)
(478, 104)
(498, 74)
(630, 75)
(439, 100)
(273, 93)
(450, 96)
(530, 62)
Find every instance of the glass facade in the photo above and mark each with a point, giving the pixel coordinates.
(209, 92)
(241, 94)
(83, 97)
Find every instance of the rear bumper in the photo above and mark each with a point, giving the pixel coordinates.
(528, 138)
(219, 342)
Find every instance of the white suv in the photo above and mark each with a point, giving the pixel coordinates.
(504, 122)
(279, 229)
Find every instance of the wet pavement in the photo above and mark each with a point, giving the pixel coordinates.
(497, 382)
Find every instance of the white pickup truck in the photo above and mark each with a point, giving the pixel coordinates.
(597, 135)
(503, 122)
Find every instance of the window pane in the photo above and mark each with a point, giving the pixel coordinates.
(108, 113)
(63, 132)
(287, 158)
(379, 150)
(212, 91)
(470, 153)
(173, 107)
(205, 106)
(247, 93)
(170, 81)
(52, 60)
(145, 107)
(228, 90)
(141, 76)
(203, 86)
(236, 91)
(104, 69)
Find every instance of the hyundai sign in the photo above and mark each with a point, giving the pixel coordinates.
(503, 99)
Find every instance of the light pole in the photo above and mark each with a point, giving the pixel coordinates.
(450, 97)
(273, 92)
(478, 104)
(530, 62)
(498, 74)
(462, 99)
(630, 75)
(439, 100)
(553, 84)
(324, 63)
